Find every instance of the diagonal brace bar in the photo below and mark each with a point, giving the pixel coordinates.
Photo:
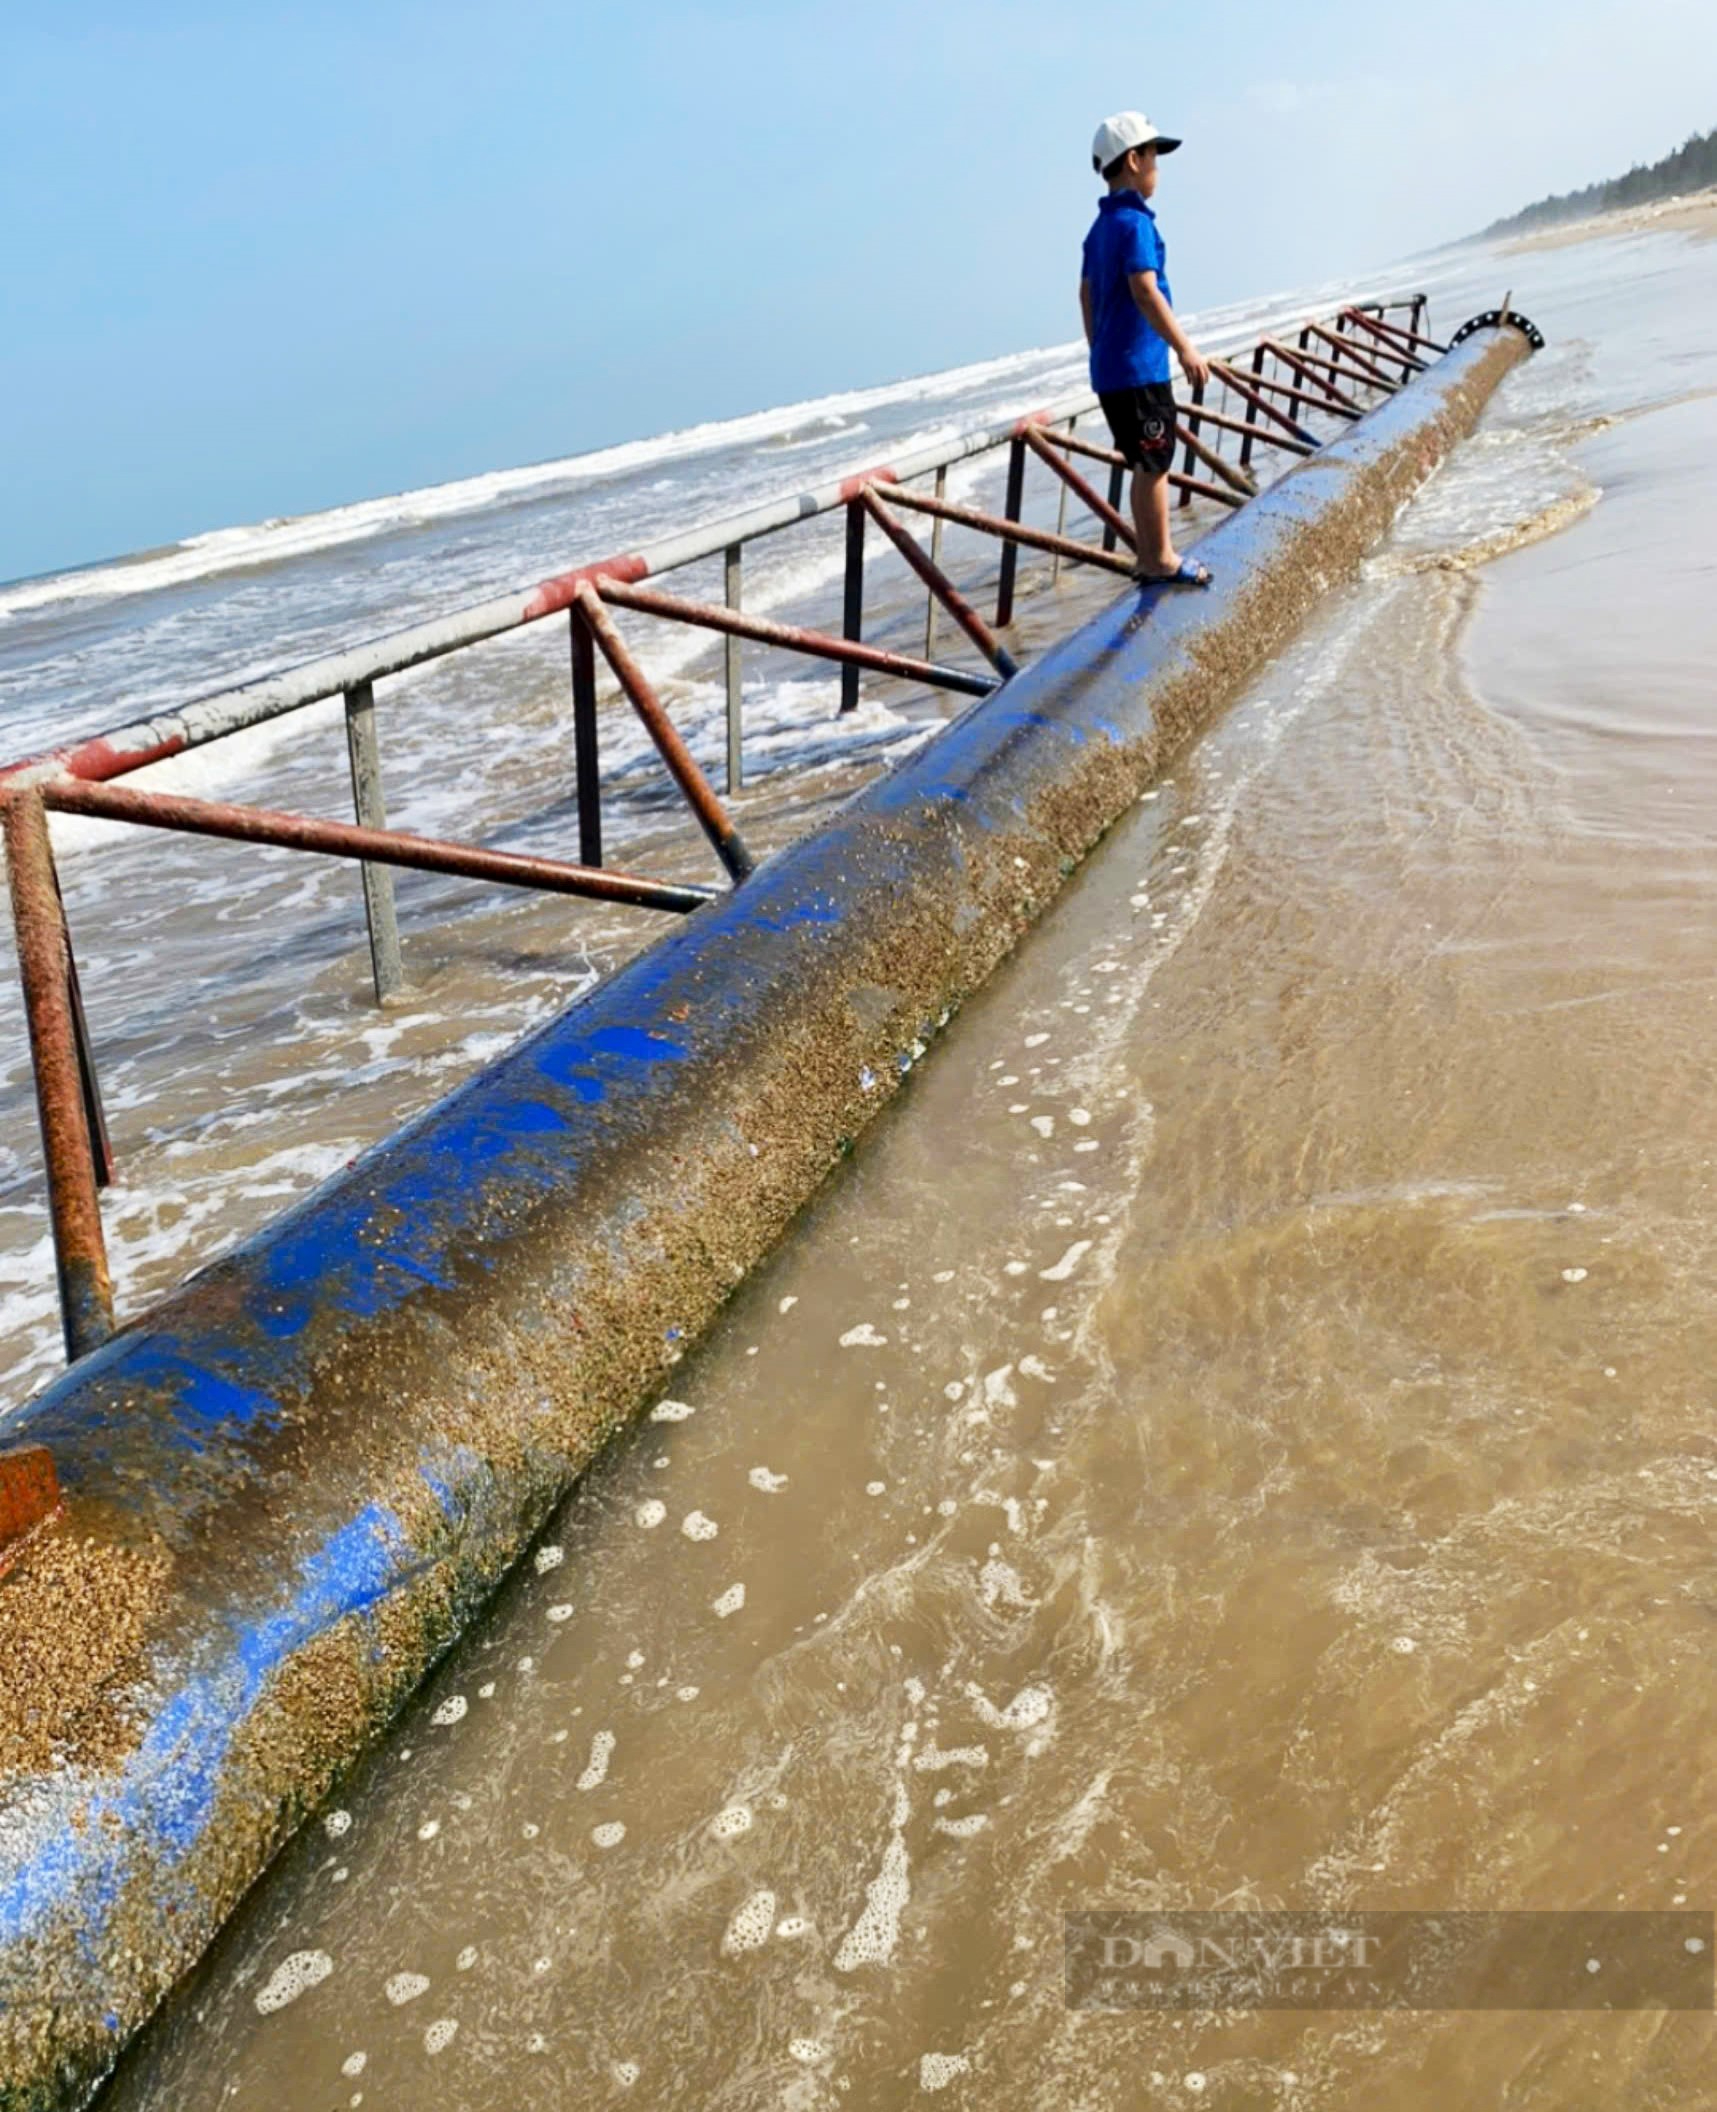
(1110, 516)
(700, 794)
(942, 587)
(1016, 531)
(819, 644)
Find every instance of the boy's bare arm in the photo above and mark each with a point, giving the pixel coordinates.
(1085, 307)
(1161, 317)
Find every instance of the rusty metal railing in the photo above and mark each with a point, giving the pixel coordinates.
(1326, 373)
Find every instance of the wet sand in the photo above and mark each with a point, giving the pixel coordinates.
(1239, 1433)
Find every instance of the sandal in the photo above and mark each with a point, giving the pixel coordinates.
(1190, 574)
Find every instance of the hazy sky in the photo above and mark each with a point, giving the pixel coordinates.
(263, 260)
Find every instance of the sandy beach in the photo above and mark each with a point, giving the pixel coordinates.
(1695, 213)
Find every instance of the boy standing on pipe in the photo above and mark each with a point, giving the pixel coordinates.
(1131, 328)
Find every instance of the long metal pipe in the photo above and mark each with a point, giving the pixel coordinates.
(44, 968)
(344, 839)
(700, 794)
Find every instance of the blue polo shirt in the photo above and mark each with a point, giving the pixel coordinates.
(1125, 350)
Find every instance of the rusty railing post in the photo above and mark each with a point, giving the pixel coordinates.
(1013, 506)
(1191, 455)
(735, 678)
(44, 969)
(941, 494)
(1061, 509)
(364, 755)
(1246, 444)
(1117, 492)
(586, 756)
(852, 599)
(100, 1144)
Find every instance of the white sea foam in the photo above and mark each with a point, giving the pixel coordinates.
(750, 1926)
(596, 1771)
(293, 1977)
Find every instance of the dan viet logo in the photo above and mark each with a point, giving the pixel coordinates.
(1410, 1961)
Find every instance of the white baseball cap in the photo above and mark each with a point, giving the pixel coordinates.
(1127, 128)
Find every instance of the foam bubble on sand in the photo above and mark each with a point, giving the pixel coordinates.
(601, 1748)
(429, 1829)
(761, 1478)
(999, 1584)
(452, 1710)
(650, 1513)
(1079, 1116)
(730, 1822)
(335, 1823)
(1035, 1041)
(937, 2070)
(932, 1760)
(696, 1526)
(1068, 1262)
(293, 1977)
(963, 1829)
(1035, 1368)
(672, 1412)
(808, 2051)
(466, 1959)
(731, 1600)
(864, 1336)
(872, 1938)
(875, 1488)
(1031, 1705)
(750, 1926)
(787, 1304)
(609, 1835)
(405, 1987)
(440, 2034)
(354, 2064)
(686, 1693)
(791, 1925)
(563, 1612)
(1573, 1275)
(1044, 1125)
(625, 2073)
(548, 1558)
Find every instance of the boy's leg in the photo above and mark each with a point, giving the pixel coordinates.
(1156, 549)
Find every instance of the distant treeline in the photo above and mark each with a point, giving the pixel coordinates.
(1690, 168)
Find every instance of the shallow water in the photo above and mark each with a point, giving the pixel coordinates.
(1239, 1432)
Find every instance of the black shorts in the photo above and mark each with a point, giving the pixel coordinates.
(1142, 421)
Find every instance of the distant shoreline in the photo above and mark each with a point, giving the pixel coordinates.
(1694, 211)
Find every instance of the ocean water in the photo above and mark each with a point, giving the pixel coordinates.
(241, 1055)
(1237, 1434)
